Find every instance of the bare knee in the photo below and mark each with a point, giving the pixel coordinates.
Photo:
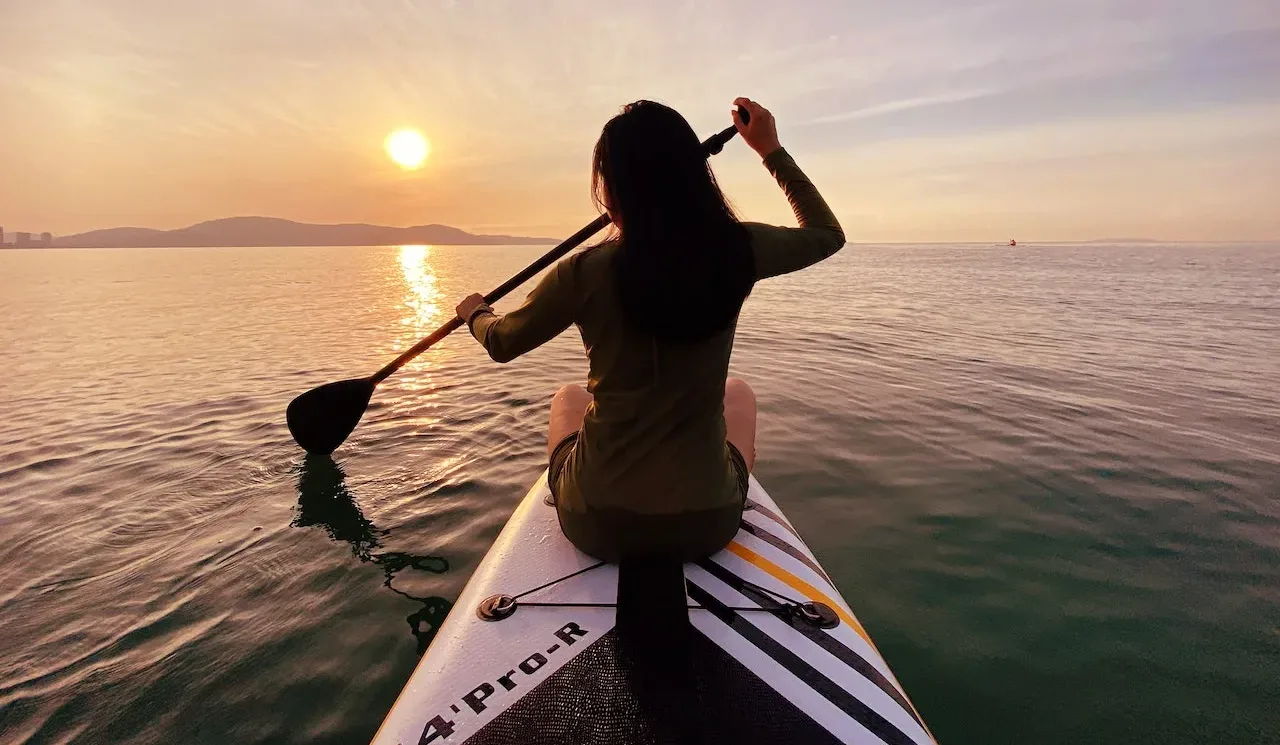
(738, 390)
(740, 418)
(568, 408)
(570, 394)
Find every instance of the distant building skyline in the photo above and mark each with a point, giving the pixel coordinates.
(22, 239)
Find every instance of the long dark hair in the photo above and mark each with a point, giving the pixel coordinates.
(684, 265)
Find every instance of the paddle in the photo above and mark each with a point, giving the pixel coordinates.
(322, 418)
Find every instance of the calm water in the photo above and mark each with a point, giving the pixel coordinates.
(1046, 478)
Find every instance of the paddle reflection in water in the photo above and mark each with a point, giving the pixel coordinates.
(325, 501)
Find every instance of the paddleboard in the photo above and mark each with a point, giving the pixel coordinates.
(754, 644)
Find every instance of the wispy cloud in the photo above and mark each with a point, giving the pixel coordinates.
(904, 104)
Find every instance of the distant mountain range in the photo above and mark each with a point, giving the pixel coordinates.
(272, 231)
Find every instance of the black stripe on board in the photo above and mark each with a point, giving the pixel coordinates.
(754, 505)
(824, 686)
(785, 548)
(832, 645)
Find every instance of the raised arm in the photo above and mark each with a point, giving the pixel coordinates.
(547, 311)
(780, 250)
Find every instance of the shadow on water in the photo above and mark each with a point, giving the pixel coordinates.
(325, 501)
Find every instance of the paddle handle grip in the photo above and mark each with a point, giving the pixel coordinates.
(710, 146)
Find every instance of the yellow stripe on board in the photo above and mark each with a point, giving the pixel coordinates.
(804, 588)
(813, 593)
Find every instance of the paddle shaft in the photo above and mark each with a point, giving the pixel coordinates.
(710, 146)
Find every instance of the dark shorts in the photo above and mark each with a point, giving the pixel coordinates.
(613, 534)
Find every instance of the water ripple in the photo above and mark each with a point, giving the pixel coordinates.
(1039, 476)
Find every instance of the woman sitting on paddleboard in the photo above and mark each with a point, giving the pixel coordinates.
(652, 457)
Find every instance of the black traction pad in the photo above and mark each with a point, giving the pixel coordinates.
(620, 693)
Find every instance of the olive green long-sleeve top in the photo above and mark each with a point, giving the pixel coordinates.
(653, 440)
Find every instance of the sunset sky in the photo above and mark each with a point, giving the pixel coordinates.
(921, 120)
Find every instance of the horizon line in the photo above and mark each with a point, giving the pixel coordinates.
(550, 241)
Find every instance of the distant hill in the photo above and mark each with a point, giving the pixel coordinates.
(272, 231)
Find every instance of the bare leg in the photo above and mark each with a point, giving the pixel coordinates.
(740, 418)
(568, 407)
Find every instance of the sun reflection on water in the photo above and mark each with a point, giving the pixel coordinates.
(421, 295)
(423, 314)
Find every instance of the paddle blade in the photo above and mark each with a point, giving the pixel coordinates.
(321, 418)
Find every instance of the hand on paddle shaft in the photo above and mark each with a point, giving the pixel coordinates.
(321, 418)
(470, 305)
(757, 127)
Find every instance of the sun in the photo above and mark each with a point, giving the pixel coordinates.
(408, 148)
